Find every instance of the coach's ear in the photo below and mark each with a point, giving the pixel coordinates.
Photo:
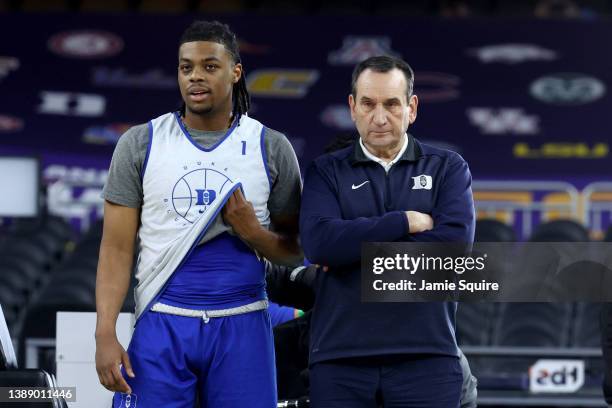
(351, 102)
(413, 104)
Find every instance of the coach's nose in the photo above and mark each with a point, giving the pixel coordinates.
(380, 115)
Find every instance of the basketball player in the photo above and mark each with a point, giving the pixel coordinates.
(209, 192)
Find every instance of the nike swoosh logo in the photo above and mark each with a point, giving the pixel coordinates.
(354, 187)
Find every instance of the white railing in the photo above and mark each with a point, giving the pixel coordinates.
(527, 210)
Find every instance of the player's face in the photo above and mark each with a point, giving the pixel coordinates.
(206, 74)
(381, 109)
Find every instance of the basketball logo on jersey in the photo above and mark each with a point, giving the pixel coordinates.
(195, 192)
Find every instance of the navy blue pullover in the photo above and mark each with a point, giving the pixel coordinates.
(340, 210)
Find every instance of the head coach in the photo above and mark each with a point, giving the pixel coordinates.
(386, 187)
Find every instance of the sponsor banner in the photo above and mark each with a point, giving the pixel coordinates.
(10, 124)
(121, 78)
(69, 90)
(436, 86)
(7, 65)
(501, 121)
(556, 376)
(338, 117)
(281, 83)
(356, 49)
(105, 135)
(492, 272)
(87, 44)
(567, 89)
(512, 53)
(562, 150)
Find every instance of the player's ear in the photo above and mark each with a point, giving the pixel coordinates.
(237, 73)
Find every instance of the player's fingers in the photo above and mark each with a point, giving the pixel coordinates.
(125, 359)
(231, 201)
(240, 199)
(119, 382)
(101, 378)
(106, 379)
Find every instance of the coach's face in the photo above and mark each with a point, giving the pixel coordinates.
(382, 110)
(206, 74)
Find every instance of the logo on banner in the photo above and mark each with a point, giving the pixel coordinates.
(512, 53)
(281, 83)
(338, 117)
(436, 86)
(567, 89)
(194, 192)
(356, 49)
(422, 182)
(504, 120)
(74, 192)
(10, 124)
(72, 104)
(105, 135)
(561, 150)
(556, 376)
(8, 64)
(86, 44)
(120, 78)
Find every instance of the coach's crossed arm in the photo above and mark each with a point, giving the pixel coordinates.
(112, 283)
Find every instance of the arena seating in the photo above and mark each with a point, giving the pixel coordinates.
(69, 287)
(11, 376)
(29, 250)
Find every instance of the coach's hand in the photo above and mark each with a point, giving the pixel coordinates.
(109, 355)
(240, 215)
(418, 222)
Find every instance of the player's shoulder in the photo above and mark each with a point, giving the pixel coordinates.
(277, 143)
(136, 134)
(274, 137)
(134, 140)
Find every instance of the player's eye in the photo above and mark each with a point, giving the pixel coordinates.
(211, 67)
(185, 68)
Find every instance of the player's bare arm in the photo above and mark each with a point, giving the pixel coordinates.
(112, 283)
(279, 247)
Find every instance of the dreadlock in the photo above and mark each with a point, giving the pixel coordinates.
(220, 33)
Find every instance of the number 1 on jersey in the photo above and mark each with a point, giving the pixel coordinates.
(243, 147)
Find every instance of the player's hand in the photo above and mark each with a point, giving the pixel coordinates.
(109, 355)
(418, 222)
(240, 215)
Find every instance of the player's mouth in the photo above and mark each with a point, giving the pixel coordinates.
(199, 95)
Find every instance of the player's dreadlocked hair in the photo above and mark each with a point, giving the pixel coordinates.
(215, 31)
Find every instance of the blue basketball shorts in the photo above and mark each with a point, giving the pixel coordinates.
(228, 361)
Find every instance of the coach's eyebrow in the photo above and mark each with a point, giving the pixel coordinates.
(392, 100)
